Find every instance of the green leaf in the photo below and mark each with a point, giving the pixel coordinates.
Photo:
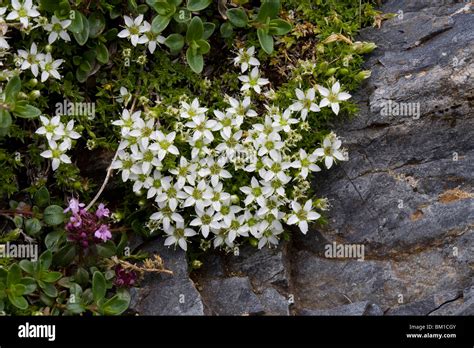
(96, 24)
(27, 266)
(226, 30)
(102, 53)
(81, 75)
(98, 286)
(195, 30)
(45, 260)
(24, 110)
(204, 46)
(208, 30)
(175, 42)
(83, 35)
(238, 17)
(106, 249)
(41, 197)
(29, 284)
(14, 275)
(53, 239)
(18, 289)
(198, 5)
(5, 119)
(12, 89)
(159, 24)
(76, 25)
(65, 255)
(266, 41)
(81, 276)
(117, 304)
(18, 301)
(51, 277)
(49, 5)
(195, 61)
(163, 8)
(269, 9)
(62, 10)
(53, 215)
(48, 288)
(32, 226)
(279, 27)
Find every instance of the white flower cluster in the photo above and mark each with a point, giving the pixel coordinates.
(139, 32)
(59, 138)
(209, 149)
(33, 60)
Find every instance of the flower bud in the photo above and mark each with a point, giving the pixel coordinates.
(48, 48)
(365, 74)
(234, 199)
(35, 94)
(363, 47)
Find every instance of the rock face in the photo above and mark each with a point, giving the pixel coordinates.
(406, 195)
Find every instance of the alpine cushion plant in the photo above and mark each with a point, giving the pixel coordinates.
(209, 119)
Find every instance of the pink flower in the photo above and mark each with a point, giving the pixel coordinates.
(74, 206)
(103, 233)
(102, 211)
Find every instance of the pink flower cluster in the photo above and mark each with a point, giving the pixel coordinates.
(86, 228)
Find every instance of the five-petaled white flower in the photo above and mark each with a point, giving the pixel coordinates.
(52, 128)
(306, 163)
(330, 150)
(57, 28)
(23, 11)
(50, 67)
(178, 235)
(191, 110)
(57, 153)
(206, 220)
(253, 81)
(301, 215)
(306, 102)
(134, 29)
(333, 97)
(165, 144)
(246, 58)
(31, 59)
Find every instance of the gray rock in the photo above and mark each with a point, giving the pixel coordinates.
(354, 309)
(274, 303)
(164, 294)
(231, 296)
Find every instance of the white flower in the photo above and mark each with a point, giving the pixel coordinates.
(330, 150)
(333, 97)
(23, 11)
(214, 169)
(153, 39)
(301, 215)
(142, 130)
(271, 144)
(202, 127)
(165, 144)
(206, 219)
(219, 197)
(236, 226)
(274, 167)
(305, 103)
(246, 59)
(171, 193)
(227, 213)
(177, 235)
(241, 108)
(124, 97)
(145, 157)
(70, 133)
(227, 122)
(124, 162)
(154, 186)
(269, 237)
(256, 193)
(3, 43)
(49, 67)
(284, 120)
(198, 196)
(191, 110)
(57, 28)
(199, 147)
(306, 163)
(253, 81)
(53, 129)
(134, 30)
(127, 121)
(57, 153)
(185, 172)
(166, 216)
(31, 59)
(231, 144)
(277, 185)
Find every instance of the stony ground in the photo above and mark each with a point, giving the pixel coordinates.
(406, 194)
